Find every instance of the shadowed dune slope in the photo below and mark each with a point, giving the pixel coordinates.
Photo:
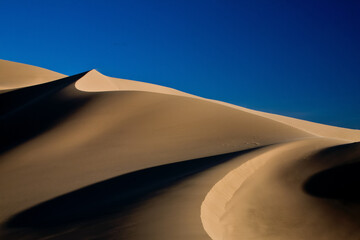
(17, 75)
(21, 121)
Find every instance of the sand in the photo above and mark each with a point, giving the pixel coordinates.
(18, 75)
(91, 156)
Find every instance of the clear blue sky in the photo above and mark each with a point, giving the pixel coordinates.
(298, 58)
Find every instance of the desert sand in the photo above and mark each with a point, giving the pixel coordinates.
(95, 157)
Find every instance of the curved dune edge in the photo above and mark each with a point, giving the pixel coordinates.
(18, 75)
(214, 206)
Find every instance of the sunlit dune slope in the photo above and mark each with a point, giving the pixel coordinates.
(320, 130)
(17, 75)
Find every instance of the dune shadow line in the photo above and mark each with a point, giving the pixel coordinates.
(113, 195)
(340, 182)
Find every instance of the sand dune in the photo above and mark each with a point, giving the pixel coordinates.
(320, 130)
(17, 75)
(95, 156)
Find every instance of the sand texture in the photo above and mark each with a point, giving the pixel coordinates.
(95, 157)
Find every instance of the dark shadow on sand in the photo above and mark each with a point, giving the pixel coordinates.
(340, 182)
(30, 111)
(111, 196)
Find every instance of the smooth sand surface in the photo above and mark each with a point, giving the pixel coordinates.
(17, 75)
(318, 129)
(91, 156)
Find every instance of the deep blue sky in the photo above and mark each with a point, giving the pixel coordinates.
(297, 58)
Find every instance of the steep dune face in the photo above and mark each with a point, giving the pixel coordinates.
(17, 75)
(72, 146)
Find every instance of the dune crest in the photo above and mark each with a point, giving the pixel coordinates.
(94, 81)
(317, 129)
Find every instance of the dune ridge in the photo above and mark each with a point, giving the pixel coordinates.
(317, 129)
(82, 131)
